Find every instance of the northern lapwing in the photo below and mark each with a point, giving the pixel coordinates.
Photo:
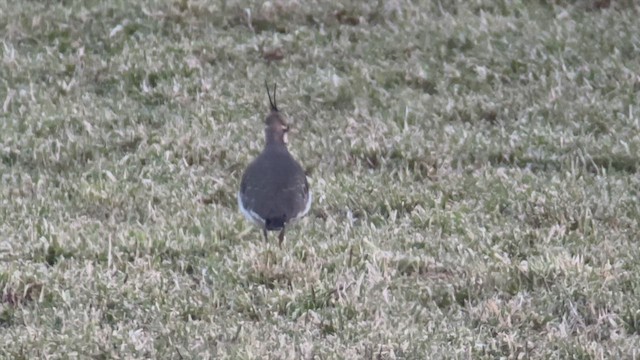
(274, 191)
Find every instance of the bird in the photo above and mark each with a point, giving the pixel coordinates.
(274, 191)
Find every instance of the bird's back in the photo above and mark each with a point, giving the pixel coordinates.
(275, 187)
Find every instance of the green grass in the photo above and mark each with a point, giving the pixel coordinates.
(475, 166)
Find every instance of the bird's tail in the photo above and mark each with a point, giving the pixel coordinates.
(275, 223)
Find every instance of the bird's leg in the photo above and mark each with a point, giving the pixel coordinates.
(281, 237)
(267, 254)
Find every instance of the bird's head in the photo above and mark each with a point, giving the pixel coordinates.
(276, 127)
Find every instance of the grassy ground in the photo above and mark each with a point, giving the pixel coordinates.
(475, 166)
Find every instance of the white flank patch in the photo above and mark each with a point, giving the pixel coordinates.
(249, 214)
(306, 208)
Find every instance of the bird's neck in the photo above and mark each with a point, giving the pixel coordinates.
(274, 139)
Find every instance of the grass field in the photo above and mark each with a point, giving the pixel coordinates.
(475, 168)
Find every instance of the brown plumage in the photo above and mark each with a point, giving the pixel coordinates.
(274, 191)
